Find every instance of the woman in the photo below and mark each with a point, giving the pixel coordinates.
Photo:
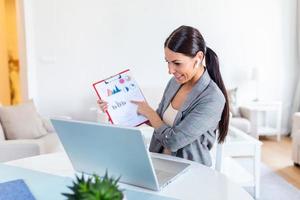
(194, 104)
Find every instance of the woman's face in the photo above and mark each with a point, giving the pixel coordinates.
(181, 66)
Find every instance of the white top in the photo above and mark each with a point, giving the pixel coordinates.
(169, 118)
(169, 115)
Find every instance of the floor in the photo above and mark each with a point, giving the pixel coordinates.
(277, 155)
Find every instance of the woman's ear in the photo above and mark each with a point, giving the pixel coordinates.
(200, 55)
(199, 58)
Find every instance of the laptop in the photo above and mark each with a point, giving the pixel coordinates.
(95, 148)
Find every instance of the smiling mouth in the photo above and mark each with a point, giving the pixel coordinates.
(178, 77)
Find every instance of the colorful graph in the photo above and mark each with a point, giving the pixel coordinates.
(116, 90)
(124, 85)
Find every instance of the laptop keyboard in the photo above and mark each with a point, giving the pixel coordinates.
(166, 170)
(163, 176)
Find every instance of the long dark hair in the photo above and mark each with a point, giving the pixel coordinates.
(189, 41)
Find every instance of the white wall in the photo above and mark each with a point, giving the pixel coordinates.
(74, 43)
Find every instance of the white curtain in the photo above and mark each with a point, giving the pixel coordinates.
(296, 102)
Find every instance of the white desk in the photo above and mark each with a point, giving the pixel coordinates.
(199, 182)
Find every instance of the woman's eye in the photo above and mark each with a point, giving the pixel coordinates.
(177, 64)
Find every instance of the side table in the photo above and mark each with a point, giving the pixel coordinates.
(265, 118)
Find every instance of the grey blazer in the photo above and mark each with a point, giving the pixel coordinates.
(194, 130)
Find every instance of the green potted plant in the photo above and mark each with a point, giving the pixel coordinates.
(95, 188)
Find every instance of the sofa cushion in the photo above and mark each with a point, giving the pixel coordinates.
(241, 123)
(21, 122)
(232, 98)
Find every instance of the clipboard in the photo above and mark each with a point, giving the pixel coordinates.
(118, 90)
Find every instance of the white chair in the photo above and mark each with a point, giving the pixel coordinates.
(219, 157)
(239, 145)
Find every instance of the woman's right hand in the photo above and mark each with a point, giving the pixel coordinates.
(102, 105)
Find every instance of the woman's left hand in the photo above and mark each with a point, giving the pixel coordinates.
(143, 108)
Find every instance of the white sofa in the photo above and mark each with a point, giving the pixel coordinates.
(296, 138)
(241, 121)
(239, 117)
(21, 148)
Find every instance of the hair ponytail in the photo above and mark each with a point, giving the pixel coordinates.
(213, 69)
